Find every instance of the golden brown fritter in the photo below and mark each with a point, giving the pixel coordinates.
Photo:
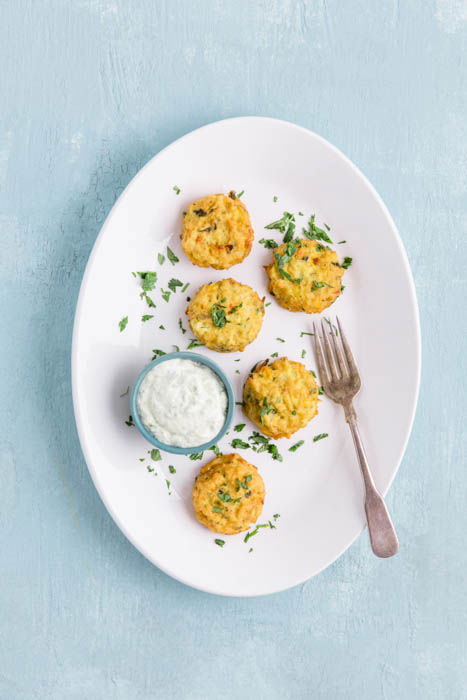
(280, 397)
(305, 276)
(226, 315)
(228, 494)
(217, 231)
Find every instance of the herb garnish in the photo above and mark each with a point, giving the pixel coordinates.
(240, 194)
(347, 262)
(173, 284)
(238, 428)
(162, 328)
(165, 295)
(281, 340)
(275, 354)
(157, 353)
(185, 287)
(303, 353)
(216, 450)
(321, 436)
(155, 455)
(266, 409)
(339, 242)
(318, 285)
(237, 443)
(129, 422)
(285, 225)
(268, 243)
(172, 469)
(148, 300)
(196, 455)
(295, 447)
(305, 333)
(281, 260)
(148, 281)
(219, 542)
(176, 189)
(194, 344)
(180, 325)
(218, 315)
(314, 233)
(274, 199)
(146, 317)
(171, 256)
(123, 323)
(160, 258)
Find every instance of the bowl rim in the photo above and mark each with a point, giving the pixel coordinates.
(195, 357)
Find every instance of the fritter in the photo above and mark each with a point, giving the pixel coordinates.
(217, 231)
(305, 276)
(280, 397)
(228, 494)
(226, 315)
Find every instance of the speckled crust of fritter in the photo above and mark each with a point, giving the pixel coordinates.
(280, 397)
(226, 316)
(305, 276)
(217, 231)
(228, 494)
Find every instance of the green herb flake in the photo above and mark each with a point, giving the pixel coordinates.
(165, 295)
(146, 317)
(216, 510)
(319, 285)
(216, 450)
(266, 409)
(218, 315)
(268, 243)
(283, 259)
(295, 447)
(194, 344)
(148, 300)
(160, 258)
(303, 353)
(173, 284)
(305, 333)
(220, 543)
(239, 444)
(162, 328)
(239, 427)
(321, 436)
(268, 303)
(286, 225)
(276, 516)
(157, 353)
(339, 242)
(171, 256)
(240, 194)
(185, 287)
(148, 280)
(150, 469)
(347, 262)
(177, 349)
(167, 482)
(321, 391)
(275, 354)
(129, 422)
(176, 189)
(281, 340)
(180, 325)
(274, 199)
(196, 455)
(155, 455)
(123, 323)
(314, 233)
(172, 469)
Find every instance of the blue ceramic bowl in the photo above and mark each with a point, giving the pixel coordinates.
(171, 448)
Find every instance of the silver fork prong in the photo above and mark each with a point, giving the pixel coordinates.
(320, 361)
(329, 354)
(353, 370)
(343, 369)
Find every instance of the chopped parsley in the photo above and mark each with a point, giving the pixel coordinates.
(240, 194)
(347, 262)
(129, 422)
(268, 243)
(261, 443)
(218, 315)
(281, 340)
(331, 325)
(180, 325)
(305, 333)
(216, 450)
(171, 256)
(150, 469)
(339, 242)
(321, 436)
(321, 391)
(176, 189)
(165, 295)
(155, 455)
(173, 284)
(167, 482)
(196, 455)
(303, 353)
(194, 344)
(314, 233)
(238, 428)
(146, 317)
(254, 532)
(268, 303)
(148, 280)
(185, 287)
(157, 353)
(123, 323)
(177, 349)
(220, 543)
(172, 469)
(281, 260)
(162, 328)
(239, 444)
(275, 354)
(160, 258)
(266, 409)
(274, 199)
(318, 285)
(295, 447)
(285, 225)
(148, 300)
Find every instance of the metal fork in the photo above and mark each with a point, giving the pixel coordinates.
(341, 381)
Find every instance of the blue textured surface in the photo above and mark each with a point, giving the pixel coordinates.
(91, 89)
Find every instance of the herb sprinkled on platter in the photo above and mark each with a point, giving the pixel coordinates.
(148, 300)
(303, 353)
(160, 258)
(332, 326)
(219, 542)
(305, 333)
(239, 444)
(123, 323)
(165, 295)
(129, 422)
(176, 189)
(286, 225)
(268, 303)
(275, 198)
(150, 469)
(275, 354)
(171, 256)
(194, 344)
(155, 455)
(281, 340)
(185, 287)
(239, 427)
(321, 436)
(162, 328)
(196, 455)
(240, 194)
(268, 243)
(173, 284)
(172, 469)
(180, 325)
(148, 280)
(218, 315)
(146, 317)
(157, 353)
(321, 391)
(295, 447)
(177, 349)
(339, 242)
(283, 259)
(314, 233)
(347, 262)
(216, 450)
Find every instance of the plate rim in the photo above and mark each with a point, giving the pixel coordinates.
(77, 320)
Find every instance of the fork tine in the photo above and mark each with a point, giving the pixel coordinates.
(329, 354)
(353, 370)
(340, 356)
(320, 361)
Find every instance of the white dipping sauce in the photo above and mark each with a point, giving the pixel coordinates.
(182, 403)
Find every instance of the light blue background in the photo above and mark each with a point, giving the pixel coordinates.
(90, 90)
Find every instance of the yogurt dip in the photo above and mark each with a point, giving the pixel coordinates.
(182, 403)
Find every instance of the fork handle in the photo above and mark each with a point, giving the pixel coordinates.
(383, 538)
